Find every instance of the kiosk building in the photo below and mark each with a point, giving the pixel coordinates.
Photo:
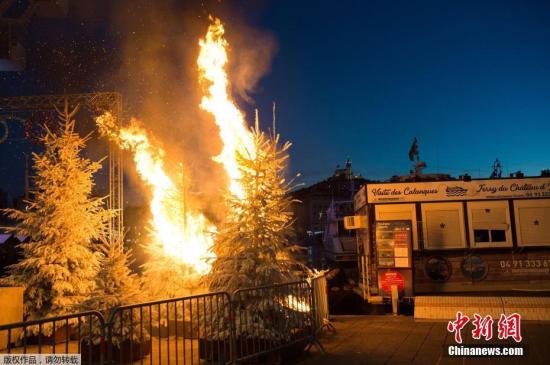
(454, 236)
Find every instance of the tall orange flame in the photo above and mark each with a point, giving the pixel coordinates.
(234, 132)
(182, 233)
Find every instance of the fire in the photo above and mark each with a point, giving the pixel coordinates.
(295, 303)
(234, 132)
(182, 233)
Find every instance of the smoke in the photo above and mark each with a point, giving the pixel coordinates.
(255, 51)
(158, 77)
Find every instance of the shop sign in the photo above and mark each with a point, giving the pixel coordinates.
(459, 190)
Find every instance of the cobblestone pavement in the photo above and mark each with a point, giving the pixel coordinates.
(402, 340)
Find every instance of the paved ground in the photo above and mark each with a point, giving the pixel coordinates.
(402, 340)
(372, 340)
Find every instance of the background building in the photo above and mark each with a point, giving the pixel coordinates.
(310, 212)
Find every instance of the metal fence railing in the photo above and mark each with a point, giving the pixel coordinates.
(252, 325)
(270, 318)
(319, 290)
(171, 331)
(71, 333)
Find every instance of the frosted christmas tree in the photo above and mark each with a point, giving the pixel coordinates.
(252, 247)
(63, 220)
(116, 285)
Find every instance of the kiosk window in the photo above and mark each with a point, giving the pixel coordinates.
(498, 235)
(489, 235)
(481, 235)
(489, 224)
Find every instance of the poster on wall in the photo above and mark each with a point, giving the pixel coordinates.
(459, 190)
(393, 244)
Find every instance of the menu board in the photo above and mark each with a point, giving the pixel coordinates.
(393, 244)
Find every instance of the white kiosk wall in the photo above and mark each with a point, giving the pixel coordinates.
(443, 225)
(532, 222)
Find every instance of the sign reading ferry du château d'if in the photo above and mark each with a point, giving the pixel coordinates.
(459, 190)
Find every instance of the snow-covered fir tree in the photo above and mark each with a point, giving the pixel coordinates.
(116, 285)
(63, 219)
(252, 246)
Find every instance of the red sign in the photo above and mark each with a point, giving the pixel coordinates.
(390, 278)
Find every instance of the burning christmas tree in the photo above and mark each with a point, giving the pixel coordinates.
(252, 245)
(180, 237)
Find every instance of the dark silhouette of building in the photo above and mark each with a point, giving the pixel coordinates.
(4, 203)
(9, 251)
(310, 213)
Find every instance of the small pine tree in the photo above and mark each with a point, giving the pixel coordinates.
(58, 267)
(116, 285)
(252, 247)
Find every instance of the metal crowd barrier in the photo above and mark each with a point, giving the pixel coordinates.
(252, 325)
(72, 333)
(271, 318)
(182, 330)
(320, 298)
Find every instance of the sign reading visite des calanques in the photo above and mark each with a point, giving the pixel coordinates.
(459, 190)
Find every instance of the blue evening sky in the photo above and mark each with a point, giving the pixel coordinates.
(469, 79)
(357, 79)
